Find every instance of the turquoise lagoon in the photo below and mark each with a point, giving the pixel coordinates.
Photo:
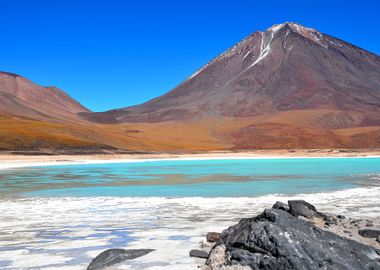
(193, 178)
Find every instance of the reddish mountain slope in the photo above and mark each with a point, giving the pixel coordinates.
(287, 67)
(287, 87)
(21, 97)
(33, 117)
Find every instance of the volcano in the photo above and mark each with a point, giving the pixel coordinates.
(287, 87)
(287, 67)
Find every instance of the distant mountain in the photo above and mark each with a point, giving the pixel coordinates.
(287, 87)
(34, 117)
(21, 97)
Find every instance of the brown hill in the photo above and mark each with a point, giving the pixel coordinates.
(34, 117)
(21, 97)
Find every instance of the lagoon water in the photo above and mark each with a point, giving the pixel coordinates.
(59, 217)
(189, 178)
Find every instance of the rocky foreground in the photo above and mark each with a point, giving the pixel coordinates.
(294, 236)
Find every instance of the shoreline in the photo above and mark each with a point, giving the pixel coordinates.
(318, 198)
(12, 161)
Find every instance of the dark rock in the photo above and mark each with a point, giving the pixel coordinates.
(340, 216)
(347, 231)
(303, 208)
(281, 206)
(114, 256)
(329, 223)
(277, 240)
(369, 233)
(369, 225)
(378, 239)
(198, 253)
(212, 237)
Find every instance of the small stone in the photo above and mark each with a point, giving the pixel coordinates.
(369, 225)
(331, 222)
(281, 206)
(114, 256)
(330, 218)
(302, 208)
(340, 216)
(212, 237)
(198, 254)
(369, 233)
(346, 231)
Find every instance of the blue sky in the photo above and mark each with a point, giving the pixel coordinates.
(112, 54)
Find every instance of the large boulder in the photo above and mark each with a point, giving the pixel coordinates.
(278, 240)
(114, 256)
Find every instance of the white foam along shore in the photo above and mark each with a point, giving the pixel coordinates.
(13, 162)
(78, 229)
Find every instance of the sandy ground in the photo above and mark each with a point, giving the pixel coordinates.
(15, 161)
(349, 228)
